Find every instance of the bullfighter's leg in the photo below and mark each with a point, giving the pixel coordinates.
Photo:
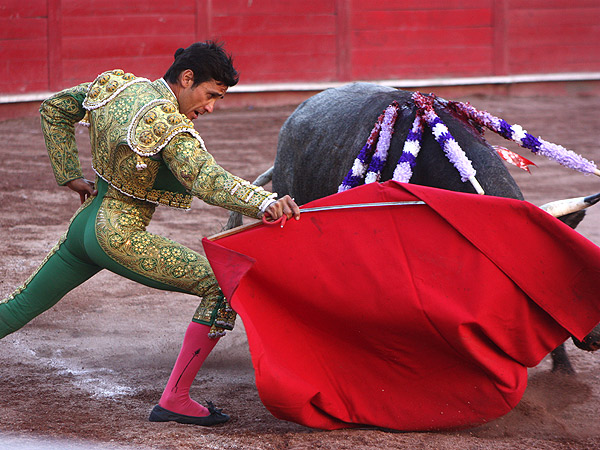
(175, 403)
(62, 270)
(124, 247)
(58, 274)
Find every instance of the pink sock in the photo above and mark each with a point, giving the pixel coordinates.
(194, 350)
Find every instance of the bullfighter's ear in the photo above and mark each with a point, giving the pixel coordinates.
(186, 78)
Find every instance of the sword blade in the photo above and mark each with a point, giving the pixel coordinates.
(361, 205)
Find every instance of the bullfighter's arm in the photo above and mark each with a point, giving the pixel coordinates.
(59, 114)
(198, 171)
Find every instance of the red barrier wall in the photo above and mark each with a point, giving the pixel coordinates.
(47, 45)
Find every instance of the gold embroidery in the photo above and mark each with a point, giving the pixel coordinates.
(52, 251)
(140, 115)
(94, 92)
(160, 129)
(173, 119)
(154, 125)
(121, 232)
(205, 179)
(146, 138)
(112, 86)
(59, 115)
(24, 285)
(107, 85)
(150, 117)
(168, 108)
(113, 159)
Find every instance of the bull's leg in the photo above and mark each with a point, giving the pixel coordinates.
(560, 358)
(560, 361)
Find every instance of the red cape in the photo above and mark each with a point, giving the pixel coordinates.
(406, 317)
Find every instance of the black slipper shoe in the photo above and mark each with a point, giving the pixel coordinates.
(160, 414)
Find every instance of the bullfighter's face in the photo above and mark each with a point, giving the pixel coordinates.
(197, 100)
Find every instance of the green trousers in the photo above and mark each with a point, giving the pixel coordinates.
(109, 232)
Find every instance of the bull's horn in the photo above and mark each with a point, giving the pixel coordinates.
(561, 208)
(264, 178)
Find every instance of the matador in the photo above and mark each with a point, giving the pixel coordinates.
(145, 152)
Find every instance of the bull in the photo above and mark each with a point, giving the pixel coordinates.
(318, 144)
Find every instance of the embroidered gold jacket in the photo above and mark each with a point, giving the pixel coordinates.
(141, 145)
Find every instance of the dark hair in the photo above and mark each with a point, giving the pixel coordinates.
(208, 60)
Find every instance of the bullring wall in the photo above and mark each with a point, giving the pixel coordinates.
(47, 45)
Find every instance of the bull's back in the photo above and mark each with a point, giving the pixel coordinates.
(320, 140)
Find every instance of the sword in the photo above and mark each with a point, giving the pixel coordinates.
(283, 219)
(361, 205)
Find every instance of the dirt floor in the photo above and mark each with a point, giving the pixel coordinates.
(87, 373)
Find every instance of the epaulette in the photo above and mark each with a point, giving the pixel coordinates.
(108, 85)
(155, 124)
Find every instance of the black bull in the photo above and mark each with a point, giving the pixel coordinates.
(320, 140)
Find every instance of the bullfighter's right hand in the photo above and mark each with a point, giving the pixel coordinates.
(85, 188)
(285, 206)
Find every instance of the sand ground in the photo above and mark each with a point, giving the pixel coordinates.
(86, 373)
